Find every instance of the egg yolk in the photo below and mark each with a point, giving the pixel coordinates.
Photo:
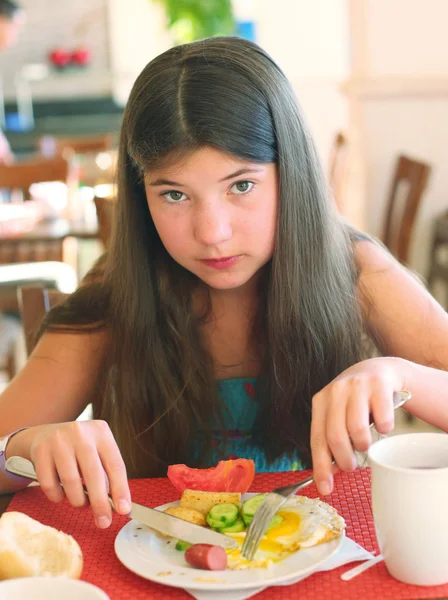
(287, 527)
(269, 543)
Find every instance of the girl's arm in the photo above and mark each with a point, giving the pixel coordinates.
(56, 383)
(51, 391)
(411, 331)
(408, 323)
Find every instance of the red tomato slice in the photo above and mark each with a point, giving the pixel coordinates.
(228, 476)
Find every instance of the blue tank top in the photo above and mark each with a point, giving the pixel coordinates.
(238, 397)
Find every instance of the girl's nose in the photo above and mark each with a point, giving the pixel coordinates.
(212, 224)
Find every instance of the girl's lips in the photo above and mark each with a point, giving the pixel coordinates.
(221, 263)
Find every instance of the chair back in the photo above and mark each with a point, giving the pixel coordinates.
(55, 145)
(337, 171)
(19, 177)
(105, 210)
(408, 184)
(22, 174)
(34, 303)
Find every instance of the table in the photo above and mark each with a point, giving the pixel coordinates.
(49, 240)
(351, 497)
(57, 229)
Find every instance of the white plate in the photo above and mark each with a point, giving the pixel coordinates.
(50, 588)
(153, 557)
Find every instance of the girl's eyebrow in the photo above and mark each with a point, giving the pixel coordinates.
(165, 182)
(159, 182)
(241, 172)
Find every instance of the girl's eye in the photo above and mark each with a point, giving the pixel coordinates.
(242, 187)
(174, 196)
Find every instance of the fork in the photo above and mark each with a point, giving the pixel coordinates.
(276, 499)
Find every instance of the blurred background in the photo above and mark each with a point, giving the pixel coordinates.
(371, 76)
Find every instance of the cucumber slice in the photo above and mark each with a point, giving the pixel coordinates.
(235, 528)
(275, 522)
(249, 508)
(182, 546)
(222, 515)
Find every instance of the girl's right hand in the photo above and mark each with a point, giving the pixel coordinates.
(81, 450)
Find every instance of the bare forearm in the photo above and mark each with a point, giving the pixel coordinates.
(18, 445)
(429, 388)
(8, 486)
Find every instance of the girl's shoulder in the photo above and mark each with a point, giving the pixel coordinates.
(356, 235)
(397, 309)
(374, 259)
(371, 256)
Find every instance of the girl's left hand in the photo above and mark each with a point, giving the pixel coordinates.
(343, 410)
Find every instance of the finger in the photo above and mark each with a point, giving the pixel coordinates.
(93, 474)
(68, 472)
(358, 425)
(382, 407)
(321, 456)
(47, 475)
(115, 469)
(338, 438)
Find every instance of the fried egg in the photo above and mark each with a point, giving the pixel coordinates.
(306, 523)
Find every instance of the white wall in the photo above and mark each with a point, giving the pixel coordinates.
(137, 34)
(417, 127)
(123, 35)
(310, 42)
(60, 23)
(399, 104)
(407, 37)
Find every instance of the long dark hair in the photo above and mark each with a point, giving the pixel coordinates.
(9, 8)
(158, 392)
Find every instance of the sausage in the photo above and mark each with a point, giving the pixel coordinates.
(206, 556)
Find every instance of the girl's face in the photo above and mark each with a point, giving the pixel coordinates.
(216, 215)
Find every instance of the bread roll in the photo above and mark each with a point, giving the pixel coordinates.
(28, 549)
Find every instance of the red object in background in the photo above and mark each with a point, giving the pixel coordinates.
(228, 476)
(59, 57)
(81, 56)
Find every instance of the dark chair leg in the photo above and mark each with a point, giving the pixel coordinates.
(11, 363)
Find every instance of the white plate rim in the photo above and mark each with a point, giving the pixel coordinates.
(176, 581)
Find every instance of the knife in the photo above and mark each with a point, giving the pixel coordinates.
(167, 524)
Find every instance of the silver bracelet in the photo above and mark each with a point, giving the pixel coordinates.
(3, 443)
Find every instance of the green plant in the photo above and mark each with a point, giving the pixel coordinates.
(191, 20)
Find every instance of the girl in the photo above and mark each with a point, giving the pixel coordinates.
(228, 316)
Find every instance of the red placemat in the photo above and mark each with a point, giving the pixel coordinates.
(351, 497)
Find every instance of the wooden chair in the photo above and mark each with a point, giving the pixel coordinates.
(438, 266)
(105, 209)
(34, 303)
(338, 163)
(55, 145)
(408, 184)
(20, 176)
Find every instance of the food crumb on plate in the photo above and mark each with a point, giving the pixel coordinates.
(164, 573)
(209, 580)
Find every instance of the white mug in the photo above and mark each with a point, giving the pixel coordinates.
(410, 505)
